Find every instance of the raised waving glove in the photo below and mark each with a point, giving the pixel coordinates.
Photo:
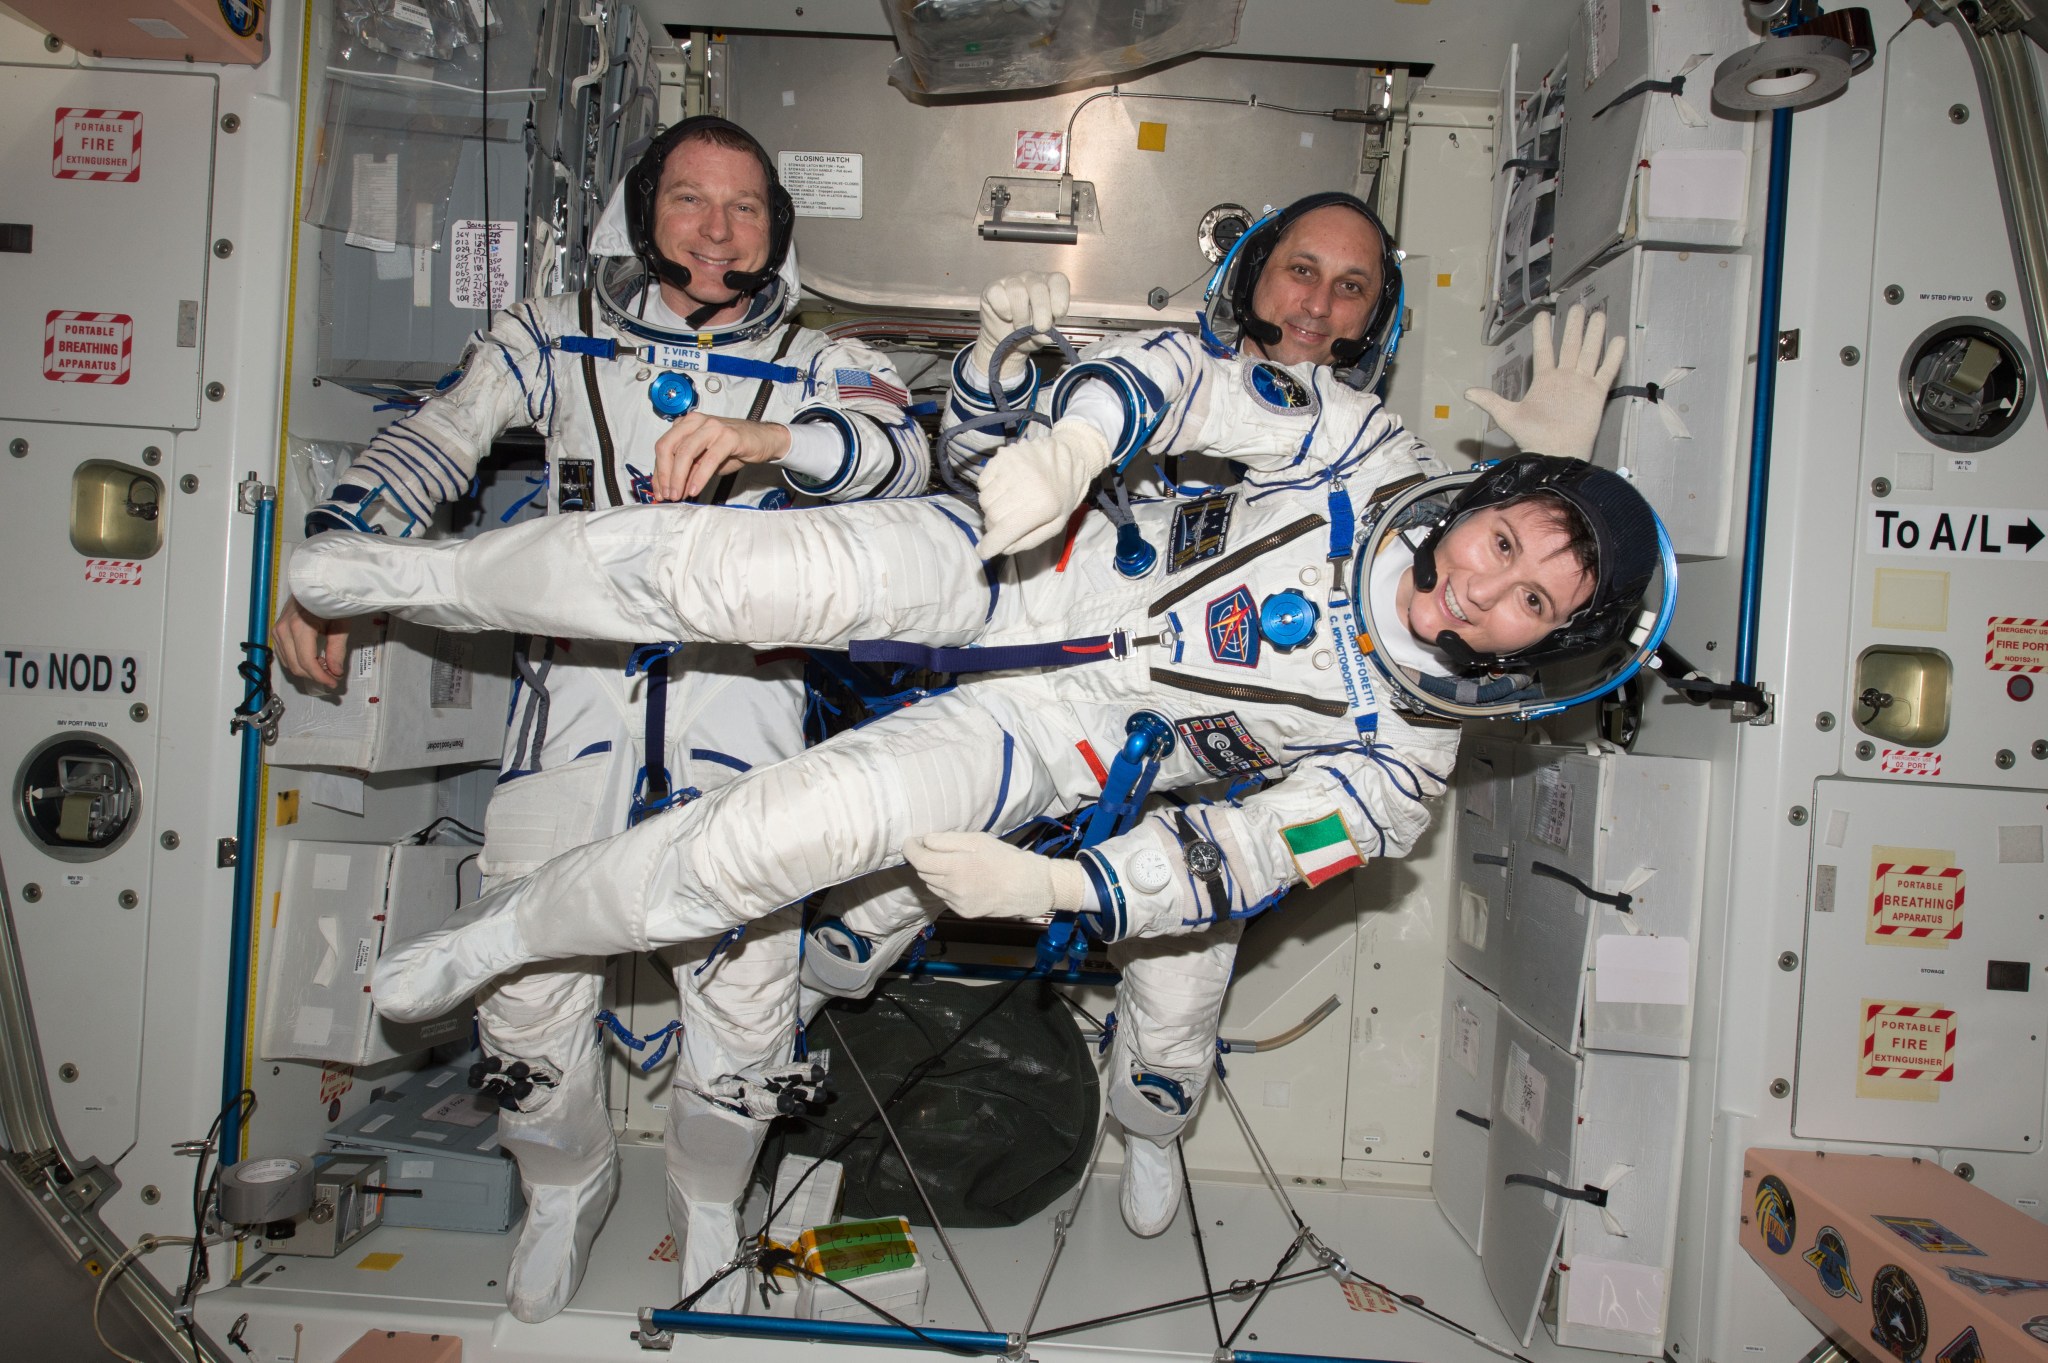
(1031, 298)
(1560, 414)
(981, 876)
(1028, 489)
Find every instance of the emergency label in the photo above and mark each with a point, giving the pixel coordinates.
(1039, 150)
(1909, 762)
(2014, 643)
(823, 184)
(88, 347)
(1916, 897)
(1908, 1048)
(1949, 531)
(480, 258)
(52, 667)
(97, 144)
(113, 572)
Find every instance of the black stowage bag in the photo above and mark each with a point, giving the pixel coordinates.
(999, 1122)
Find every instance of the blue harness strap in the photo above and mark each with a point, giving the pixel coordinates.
(653, 790)
(681, 357)
(1001, 658)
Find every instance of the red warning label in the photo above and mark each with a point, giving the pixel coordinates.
(1913, 1042)
(88, 347)
(1909, 762)
(1916, 897)
(97, 144)
(113, 572)
(2014, 643)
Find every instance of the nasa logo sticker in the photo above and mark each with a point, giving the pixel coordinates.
(1898, 1315)
(1830, 1259)
(1276, 390)
(1775, 1219)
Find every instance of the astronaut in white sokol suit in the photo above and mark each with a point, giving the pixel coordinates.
(1322, 287)
(1326, 621)
(694, 297)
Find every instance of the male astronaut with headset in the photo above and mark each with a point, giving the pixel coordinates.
(683, 353)
(1327, 620)
(1318, 284)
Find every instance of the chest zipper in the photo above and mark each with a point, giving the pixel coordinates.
(1262, 695)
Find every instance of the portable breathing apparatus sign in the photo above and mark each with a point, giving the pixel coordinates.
(97, 144)
(1916, 897)
(88, 347)
(1950, 531)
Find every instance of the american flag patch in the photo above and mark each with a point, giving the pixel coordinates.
(859, 383)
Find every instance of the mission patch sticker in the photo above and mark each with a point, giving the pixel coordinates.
(1775, 1219)
(1898, 1316)
(1223, 745)
(1276, 390)
(1233, 624)
(1830, 1259)
(1200, 530)
(1928, 1236)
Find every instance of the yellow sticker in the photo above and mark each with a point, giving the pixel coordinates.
(381, 1262)
(1443, 281)
(1916, 898)
(287, 808)
(1443, 411)
(1151, 137)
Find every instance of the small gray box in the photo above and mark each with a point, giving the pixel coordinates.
(439, 1136)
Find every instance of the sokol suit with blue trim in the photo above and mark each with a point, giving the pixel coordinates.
(577, 742)
(1001, 749)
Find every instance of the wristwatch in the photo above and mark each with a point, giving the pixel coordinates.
(1204, 861)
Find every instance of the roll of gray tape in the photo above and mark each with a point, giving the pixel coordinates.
(259, 1191)
(1782, 73)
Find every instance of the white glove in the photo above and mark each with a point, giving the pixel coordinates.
(1560, 414)
(1030, 299)
(1028, 489)
(981, 876)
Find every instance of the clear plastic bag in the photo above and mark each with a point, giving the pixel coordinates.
(957, 47)
(405, 89)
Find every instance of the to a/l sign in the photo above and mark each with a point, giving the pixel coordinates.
(1947, 531)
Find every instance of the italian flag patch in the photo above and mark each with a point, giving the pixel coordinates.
(1322, 850)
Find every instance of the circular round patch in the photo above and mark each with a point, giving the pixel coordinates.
(1830, 1259)
(1775, 1219)
(1276, 390)
(1898, 1315)
(2020, 687)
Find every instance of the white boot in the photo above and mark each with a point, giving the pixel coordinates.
(711, 1154)
(569, 1170)
(1149, 1194)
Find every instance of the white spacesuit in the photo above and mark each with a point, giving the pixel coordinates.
(1240, 641)
(600, 737)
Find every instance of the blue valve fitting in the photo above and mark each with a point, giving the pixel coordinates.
(1134, 557)
(1147, 735)
(672, 394)
(1287, 620)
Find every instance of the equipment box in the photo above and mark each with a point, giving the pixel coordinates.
(341, 906)
(441, 1137)
(414, 697)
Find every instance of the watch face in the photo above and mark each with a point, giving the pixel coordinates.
(1205, 859)
(1150, 871)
